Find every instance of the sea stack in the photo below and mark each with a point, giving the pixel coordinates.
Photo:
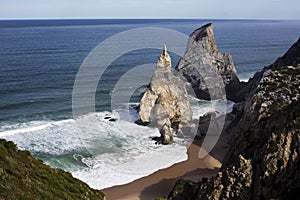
(202, 64)
(165, 102)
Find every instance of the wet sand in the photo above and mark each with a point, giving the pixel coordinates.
(160, 183)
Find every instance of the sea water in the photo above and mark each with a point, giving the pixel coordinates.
(39, 60)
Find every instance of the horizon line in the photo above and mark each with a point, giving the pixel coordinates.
(147, 18)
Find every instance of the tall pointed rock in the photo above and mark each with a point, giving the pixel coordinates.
(165, 102)
(164, 60)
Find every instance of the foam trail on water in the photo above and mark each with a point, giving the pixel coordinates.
(47, 137)
(24, 130)
(30, 127)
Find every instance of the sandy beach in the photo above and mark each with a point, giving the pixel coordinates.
(160, 183)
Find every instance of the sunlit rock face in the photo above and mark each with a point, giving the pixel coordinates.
(165, 101)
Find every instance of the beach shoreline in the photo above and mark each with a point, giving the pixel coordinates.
(160, 183)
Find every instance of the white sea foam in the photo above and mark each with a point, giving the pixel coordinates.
(49, 137)
(246, 76)
(120, 151)
(200, 107)
(138, 155)
(108, 170)
(32, 126)
(244, 80)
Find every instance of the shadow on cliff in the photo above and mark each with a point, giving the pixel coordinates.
(219, 150)
(163, 187)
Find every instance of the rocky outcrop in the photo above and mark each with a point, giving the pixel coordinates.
(232, 183)
(263, 163)
(263, 159)
(204, 122)
(290, 58)
(165, 101)
(270, 90)
(266, 129)
(206, 69)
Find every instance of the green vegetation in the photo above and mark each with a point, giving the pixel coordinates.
(291, 71)
(24, 177)
(206, 187)
(184, 189)
(280, 163)
(293, 193)
(271, 87)
(280, 88)
(273, 148)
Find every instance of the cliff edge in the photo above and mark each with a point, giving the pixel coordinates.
(263, 159)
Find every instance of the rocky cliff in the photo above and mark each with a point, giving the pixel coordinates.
(24, 177)
(290, 58)
(263, 160)
(165, 101)
(202, 64)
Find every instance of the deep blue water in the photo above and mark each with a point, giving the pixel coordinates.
(39, 59)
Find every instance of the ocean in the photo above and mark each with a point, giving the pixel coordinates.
(40, 61)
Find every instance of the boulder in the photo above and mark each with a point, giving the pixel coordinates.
(205, 121)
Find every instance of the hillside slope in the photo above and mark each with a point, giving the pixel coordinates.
(24, 177)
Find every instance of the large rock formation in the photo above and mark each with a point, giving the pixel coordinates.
(263, 160)
(165, 101)
(208, 70)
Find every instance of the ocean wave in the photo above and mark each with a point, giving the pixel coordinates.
(200, 107)
(112, 170)
(96, 145)
(103, 148)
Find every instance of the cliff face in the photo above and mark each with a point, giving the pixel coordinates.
(24, 177)
(165, 101)
(202, 64)
(263, 160)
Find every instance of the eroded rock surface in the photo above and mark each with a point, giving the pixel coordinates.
(209, 71)
(165, 101)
